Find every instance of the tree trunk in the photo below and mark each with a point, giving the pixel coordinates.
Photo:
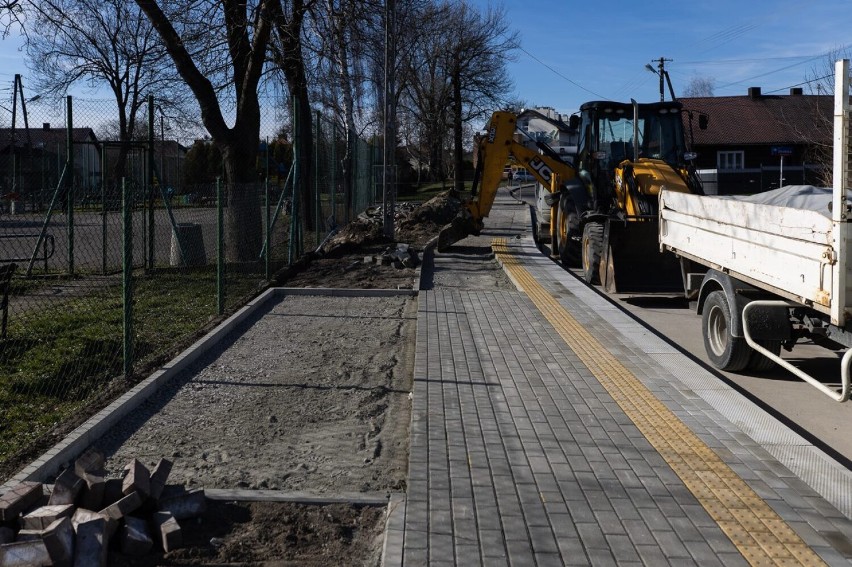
(243, 219)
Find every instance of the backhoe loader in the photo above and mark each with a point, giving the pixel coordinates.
(604, 206)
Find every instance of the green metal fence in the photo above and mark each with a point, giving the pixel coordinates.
(121, 258)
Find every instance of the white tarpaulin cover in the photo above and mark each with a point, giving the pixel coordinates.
(806, 197)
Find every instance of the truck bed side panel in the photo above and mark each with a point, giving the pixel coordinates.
(780, 247)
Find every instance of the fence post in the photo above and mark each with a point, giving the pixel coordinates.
(268, 245)
(220, 248)
(317, 209)
(103, 212)
(333, 170)
(295, 207)
(127, 275)
(150, 184)
(69, 187)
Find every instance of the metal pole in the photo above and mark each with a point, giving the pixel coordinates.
(268, 243)
(388, 189)
(317, 212)
(127, 276)
(220, 248)
(103, 212)
(333, 170)
(150, 184)
(781, 174)
(69, 180)
(295, 206)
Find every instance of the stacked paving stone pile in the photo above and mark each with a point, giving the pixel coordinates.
(85, 513)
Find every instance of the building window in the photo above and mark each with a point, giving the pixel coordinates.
(729, 160)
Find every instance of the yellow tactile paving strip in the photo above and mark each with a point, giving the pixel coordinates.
(755, 529)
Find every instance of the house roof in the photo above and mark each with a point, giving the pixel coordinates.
(532, 113)
(761, 119)
(49, 136)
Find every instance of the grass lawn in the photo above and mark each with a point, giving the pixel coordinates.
(60, 360)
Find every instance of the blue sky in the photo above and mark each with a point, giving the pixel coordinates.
(578, 51)
(573, 52)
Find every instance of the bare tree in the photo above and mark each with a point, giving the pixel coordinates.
(699, 87)
(224, 41)
(457, 75)
(10, 16)
(98, 42)
(427, 89)
(820, 81)
(342, 34)
(479, 46)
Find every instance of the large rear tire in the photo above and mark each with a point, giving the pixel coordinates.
(568, 233)
(592, 251)
(724, 351)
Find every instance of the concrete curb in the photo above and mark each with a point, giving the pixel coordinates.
(300, 497)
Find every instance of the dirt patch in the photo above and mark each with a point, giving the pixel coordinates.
(312, 395)
(281, 534)
(360, 257)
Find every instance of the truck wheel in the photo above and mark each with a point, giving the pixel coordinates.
(592, 251)
(724, 351)
(567, 231)
(759, 363)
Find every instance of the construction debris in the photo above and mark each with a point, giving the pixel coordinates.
(83, 517)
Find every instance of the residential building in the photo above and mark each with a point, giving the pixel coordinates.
(757, 142)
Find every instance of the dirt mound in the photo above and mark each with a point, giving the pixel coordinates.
(415, 225)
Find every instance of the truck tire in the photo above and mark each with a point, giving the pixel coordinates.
(724, 351)
(592, 252)
(568, 232)
(759, 363)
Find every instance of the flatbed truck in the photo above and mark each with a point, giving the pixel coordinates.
(769, 276)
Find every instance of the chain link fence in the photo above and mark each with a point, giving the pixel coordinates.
(115, 255)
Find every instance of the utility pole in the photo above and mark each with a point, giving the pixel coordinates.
(661, 71)
(389, 150)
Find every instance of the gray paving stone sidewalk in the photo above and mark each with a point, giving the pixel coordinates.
(519, 456)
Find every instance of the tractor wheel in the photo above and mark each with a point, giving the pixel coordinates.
(724, 351)
(568, 232)
(592, 251)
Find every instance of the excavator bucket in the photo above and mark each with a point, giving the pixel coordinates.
(461, 227)
(633, 262)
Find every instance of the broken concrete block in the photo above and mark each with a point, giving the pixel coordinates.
(27, 535)
(168, 531)
(81, 516)
(66, 488)
(182, 503)
(58, 537)
(123, 507)
(92, 496)
(7, 535)
(159, 476)
(135, 537)
(112, 491)
(24, 554)
(20, 499)
(138, 479)
(91, 543)
(43, 516)
(91, 461)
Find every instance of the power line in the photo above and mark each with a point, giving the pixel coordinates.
(557, 73)
(773, 71)
(800, 84)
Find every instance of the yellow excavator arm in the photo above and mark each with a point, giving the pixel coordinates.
(493, 152)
